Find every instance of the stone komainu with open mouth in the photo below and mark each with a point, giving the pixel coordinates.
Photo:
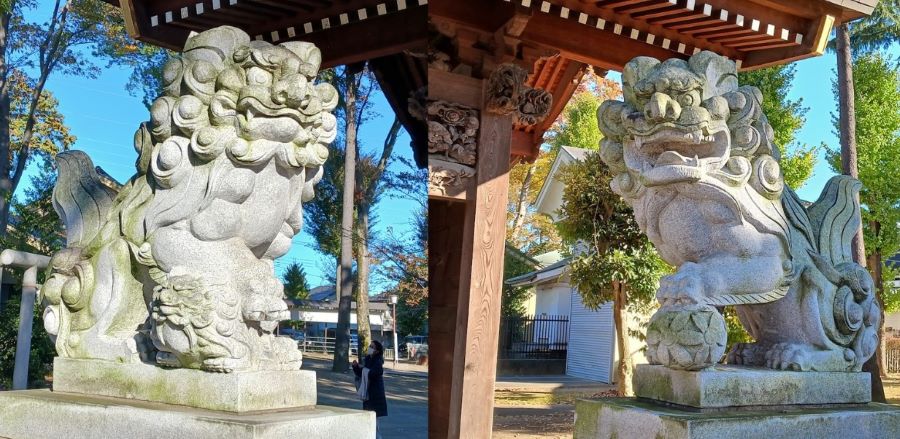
(177, 267)
(693, 154)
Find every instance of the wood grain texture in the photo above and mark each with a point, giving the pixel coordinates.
(453, 87)
(481, 277)
(445, 229)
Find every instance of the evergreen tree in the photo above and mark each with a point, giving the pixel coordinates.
(576, 126)
(877, 98)
(617, 263)
(786, 117)
(294, 280)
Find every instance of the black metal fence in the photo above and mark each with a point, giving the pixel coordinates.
(534, 338)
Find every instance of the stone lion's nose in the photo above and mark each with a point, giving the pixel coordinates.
(662, 107)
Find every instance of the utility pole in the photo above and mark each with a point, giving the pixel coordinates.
(396, 346)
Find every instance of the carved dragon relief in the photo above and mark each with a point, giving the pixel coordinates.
(508, 94)
(693, 154)
(176, 268)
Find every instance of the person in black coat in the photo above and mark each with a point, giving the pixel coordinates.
(374, 361)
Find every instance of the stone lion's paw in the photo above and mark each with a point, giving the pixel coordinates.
(223, 364)
(682, 288)
(788, 356)
(746, 354)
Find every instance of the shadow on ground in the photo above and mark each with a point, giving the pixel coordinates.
(407, 396)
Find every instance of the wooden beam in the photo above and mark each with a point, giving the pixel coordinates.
(602, 10)
(589, 45)
(372, 38)
(137, 24)
(486, 16)
(522, 145)
(400, 76)
(813, 45)
(456, 88)
(481, 278)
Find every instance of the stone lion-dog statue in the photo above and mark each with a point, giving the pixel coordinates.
(692, 153)
(176, 268)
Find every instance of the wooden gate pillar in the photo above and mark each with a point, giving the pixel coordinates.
(470, 133)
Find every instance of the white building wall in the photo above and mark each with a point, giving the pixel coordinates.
(591, 341)
(553, 299)
(892, 320)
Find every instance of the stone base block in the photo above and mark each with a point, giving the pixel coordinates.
(233, 392)
(734, 386)
(42, 414)
(637, 419)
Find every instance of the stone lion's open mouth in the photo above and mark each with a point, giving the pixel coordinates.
(674, 155)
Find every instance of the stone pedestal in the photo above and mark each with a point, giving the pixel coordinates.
(232, 392)
(42, 414)
(102, 399)
(739, 402)
(638, 419)
(733, 386)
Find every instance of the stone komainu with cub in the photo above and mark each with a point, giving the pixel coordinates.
(693, 154)
(177, 267)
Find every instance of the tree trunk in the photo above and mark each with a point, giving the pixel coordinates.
(48, 54)
(361, 294)
(620, 317)
(5, 183)
(875, 269)
(847, 122)
(342, 338)
(362, 250)
(847, 125)
(522, 203)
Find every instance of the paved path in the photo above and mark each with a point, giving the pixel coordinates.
(407, 396)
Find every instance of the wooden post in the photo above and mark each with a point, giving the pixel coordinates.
(481, 277)
(445, 229)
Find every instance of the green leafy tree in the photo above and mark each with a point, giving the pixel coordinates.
(369, 180)
(613, 260)
(42, 350)
(31, 50)
(786, 117)
(515, 263)
(294, 280)
(35, 226)
(877, 97)
(405, 263)
(877, 31)
(576, 126)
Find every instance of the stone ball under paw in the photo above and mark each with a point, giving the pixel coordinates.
(690, 337)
